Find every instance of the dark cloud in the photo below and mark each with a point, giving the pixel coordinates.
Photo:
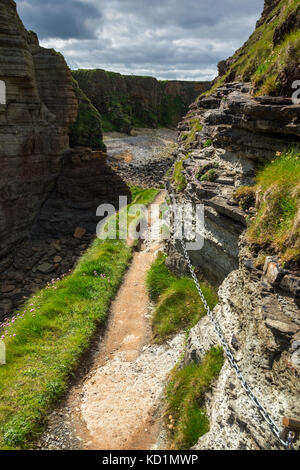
(62, 19)
(168, 39)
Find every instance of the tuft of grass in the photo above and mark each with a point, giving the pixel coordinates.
(276, 227)
(245, 196)
(178, 177)
(186, 417)
(210, 175)
(178, 303)
(159, 278)
(45, 346)
(207, 143)
(190, 136)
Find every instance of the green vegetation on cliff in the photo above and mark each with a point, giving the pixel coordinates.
(178, 303)
(48, 337)
(125, 102)
(276, 227)
(86, 131)
(271, 56)
(186, 416)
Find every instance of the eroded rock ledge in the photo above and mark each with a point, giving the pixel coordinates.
(258, 308)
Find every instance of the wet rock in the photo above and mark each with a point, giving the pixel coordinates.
(45, 268)
(79, 233)
(7, 288)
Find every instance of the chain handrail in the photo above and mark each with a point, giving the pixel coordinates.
(272, 425)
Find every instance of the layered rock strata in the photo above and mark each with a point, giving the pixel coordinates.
(46, 188)
(131, 101)
(258, 308)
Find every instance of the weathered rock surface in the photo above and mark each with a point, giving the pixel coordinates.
(263, 330)
(126, 101)
(40, 105)
(273, 46)
(46, 188)
(258, 309)
(85, 182)
(242, 132)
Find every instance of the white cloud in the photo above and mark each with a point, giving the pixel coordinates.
(168, 39)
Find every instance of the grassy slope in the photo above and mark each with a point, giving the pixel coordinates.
(276, 226)
(262, 59)
(178, 304)
(186, 417)
(52, 332)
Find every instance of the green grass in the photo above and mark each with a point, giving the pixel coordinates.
(189, 137)
(143, 196)
(276, 227)
(207, 143)
(262, 59)
(178, 177)
(186, 417)
(210, 175)
(159, 278)
(178, 303)
(50, 340)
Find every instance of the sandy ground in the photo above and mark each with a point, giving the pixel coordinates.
(117, 402)
(139, 148)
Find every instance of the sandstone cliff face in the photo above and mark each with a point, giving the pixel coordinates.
(238, 133)
(46, 188)
(40, 105)
(259, 312)
(223, 139)
(128, 101)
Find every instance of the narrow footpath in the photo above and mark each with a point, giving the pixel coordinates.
(116, 404)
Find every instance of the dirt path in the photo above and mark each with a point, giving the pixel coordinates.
(117, 403)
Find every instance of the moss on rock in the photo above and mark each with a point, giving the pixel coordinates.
(86, 131)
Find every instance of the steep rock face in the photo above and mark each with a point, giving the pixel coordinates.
(270, 58)
(87, 129)
(40, 105)
(128, 101)
(238, 133)
(262, 327)
(85, 182)
(258, 310)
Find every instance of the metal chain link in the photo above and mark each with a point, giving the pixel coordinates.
(272, 425)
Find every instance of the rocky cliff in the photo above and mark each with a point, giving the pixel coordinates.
(45, 187)
(270, 57)
(40, 105)
(224, 139)
(131, 101)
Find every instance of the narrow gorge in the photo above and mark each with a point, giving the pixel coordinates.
(108, 344)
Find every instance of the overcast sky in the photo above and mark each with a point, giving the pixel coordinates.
(168, 39)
